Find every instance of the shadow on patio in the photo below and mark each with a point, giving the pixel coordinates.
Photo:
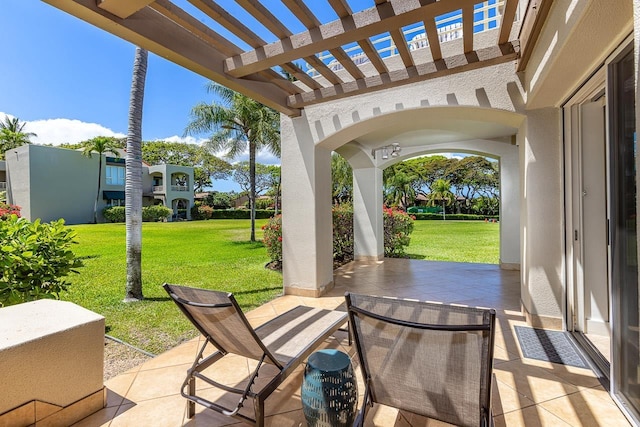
(526, 391)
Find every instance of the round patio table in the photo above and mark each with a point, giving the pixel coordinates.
(329, 390)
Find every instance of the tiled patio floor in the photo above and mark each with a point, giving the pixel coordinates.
(527, 392)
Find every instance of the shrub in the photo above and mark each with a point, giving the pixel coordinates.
(272, 238)
(205, 212)
(35, 259)
(155, 213)
(7, 210)
(398, 226)
(264, 203)
(114, 214)
(342, 233)
(240, 214)
(457, 217)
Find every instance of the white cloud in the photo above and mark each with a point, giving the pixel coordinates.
(58, 131)
(184, 139)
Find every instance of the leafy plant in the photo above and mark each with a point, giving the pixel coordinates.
(114, 213)
(155, 213)
(6, 210)
(272, 238)
(35, 259)
(398, 226)
(342, 233)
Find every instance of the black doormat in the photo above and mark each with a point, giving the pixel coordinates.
(550, 346)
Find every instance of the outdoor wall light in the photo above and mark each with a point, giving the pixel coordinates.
(391, 149)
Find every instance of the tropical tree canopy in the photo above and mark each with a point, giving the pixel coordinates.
(13, 135)
(342, 179)
(237, 124)
(99, 145)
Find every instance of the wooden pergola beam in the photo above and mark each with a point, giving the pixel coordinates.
(385, 17)
(168, 39)
(123, 9)
(506, 23)
(456, 64)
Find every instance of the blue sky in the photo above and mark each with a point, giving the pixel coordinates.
(70, 81)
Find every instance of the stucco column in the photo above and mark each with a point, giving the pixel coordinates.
(307, 230)
(510, 210)
(368, 232)
(542, 227)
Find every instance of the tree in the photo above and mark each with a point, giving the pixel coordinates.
(12, 135)
(275, 185)
(100, 145)
(341, 179)
(205, 165)
(133, 179)
(399, 189)
(237, 123)
(441, 192)
(261, 175)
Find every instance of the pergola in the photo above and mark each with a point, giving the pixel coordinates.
(189, 38)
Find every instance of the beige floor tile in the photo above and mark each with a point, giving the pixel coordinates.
(157, 383)
(180, 355)
(101, 418)
(586, 409)
(580, 377)
(530, 381)
(162, 412)
(505, 399)
(533, 416)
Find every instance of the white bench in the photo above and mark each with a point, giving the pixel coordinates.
(51, 359)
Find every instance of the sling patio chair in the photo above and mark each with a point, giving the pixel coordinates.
(430, 359)
(278, 347)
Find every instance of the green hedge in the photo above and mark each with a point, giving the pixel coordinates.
(457, 217)
(241, 214)
(149, 213)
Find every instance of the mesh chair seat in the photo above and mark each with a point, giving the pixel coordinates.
(279, 346)
(430, 359)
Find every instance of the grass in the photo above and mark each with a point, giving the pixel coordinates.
(456, 241)
(217, 255)
(204, 254)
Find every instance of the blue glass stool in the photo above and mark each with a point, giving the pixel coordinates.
(329, 390)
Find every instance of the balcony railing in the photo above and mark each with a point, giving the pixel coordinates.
(158, 188)
(179, 188)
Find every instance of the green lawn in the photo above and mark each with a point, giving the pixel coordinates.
(205, 254)
(460, 241)
(217, 255)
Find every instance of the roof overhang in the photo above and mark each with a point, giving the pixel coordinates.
(342, 57)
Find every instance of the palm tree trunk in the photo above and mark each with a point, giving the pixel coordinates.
(133, 183)
(252, 191)
(95, 204)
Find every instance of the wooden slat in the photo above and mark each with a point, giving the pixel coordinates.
(299, 74)
(179, 16)
(432, 35)
(265, 17)
(401, 45)
(303, 13)
(374, 57)
(280, 81)
(467, 28)
(341, 7)
(508, 16)
(347, 63)
(361, 25)
(486, 57)
(123, 9)
(534, 20)
(168, 39)
(224, 18)
(320, 67)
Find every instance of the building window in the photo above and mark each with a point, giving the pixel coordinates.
(115, 202)
(115, 175)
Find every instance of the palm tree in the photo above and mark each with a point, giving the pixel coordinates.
(100, 145)
(400, 188)
(441, 192)
(237, 122)
(133, 179)
(12, 135)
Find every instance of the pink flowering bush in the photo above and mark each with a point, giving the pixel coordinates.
(398, 226)
(7, 210)
(272, 238)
